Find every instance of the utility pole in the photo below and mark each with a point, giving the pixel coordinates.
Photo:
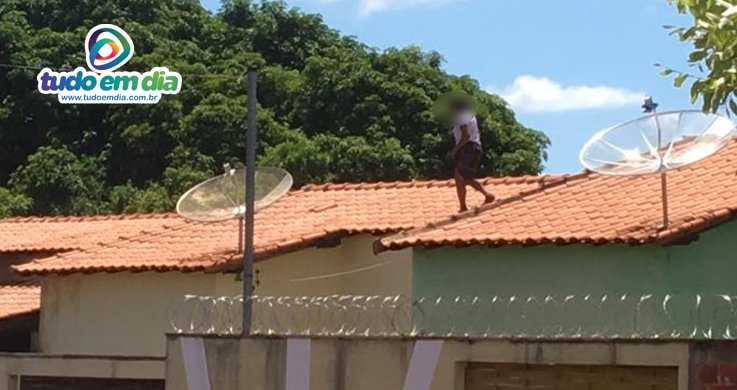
(248, 253)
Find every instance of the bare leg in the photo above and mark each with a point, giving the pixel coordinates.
(461, 190)
(478, 187)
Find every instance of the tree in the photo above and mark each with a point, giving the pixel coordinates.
(13, 204)
(714, 38)
(59, 182)
(331, 108)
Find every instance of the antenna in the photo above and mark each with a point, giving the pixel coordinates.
(657, 143)
(239, 194)
(223, 197)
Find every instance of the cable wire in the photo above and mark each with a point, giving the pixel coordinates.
(39, 68)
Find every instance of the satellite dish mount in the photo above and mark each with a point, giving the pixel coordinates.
(657, 143)
(650, 107)
(239, 194)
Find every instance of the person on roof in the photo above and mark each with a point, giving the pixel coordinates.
(467, 151)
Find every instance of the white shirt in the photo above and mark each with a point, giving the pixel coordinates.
(468, 119)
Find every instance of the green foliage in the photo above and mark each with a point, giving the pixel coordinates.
(13, 204)
(714, 39)
(331, 108)
(327, 157)
(58, 181)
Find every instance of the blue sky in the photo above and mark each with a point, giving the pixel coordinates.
(568, 68)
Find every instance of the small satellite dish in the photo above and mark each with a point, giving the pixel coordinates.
(223, 197)
(657, 143)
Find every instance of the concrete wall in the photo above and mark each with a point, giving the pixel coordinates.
(14, 366)
(128, 313)
(706, 266)
(121, 314)
(370, 364)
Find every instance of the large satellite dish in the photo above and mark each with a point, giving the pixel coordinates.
(657, 143)
(224, 197)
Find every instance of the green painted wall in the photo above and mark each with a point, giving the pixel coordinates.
(616, 277)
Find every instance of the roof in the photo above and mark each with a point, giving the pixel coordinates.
(69, 233)
(597, 209)
(19, 300)
(300, 219)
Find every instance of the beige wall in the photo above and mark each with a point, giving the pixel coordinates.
(348, 269)
(370, 364)
(114, 314)
(129, 313)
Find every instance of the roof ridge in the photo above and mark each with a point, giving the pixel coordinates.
(89, 218)
(379, 245)
(419, 183)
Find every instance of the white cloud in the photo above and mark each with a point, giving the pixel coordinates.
(368, 7)
(540, 94)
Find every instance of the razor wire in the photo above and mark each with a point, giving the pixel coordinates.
(646, 316)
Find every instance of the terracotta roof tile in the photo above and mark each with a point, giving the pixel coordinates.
(300, 219)
(68, 233)
(594, 208)
(17, 300)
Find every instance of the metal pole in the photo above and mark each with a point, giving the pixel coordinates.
(241, 244)
(248, 253)
(664, 191)
(663, 173)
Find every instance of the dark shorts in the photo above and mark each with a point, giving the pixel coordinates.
(467, 160)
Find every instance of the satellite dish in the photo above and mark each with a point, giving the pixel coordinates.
(224, 197)
(657, 143)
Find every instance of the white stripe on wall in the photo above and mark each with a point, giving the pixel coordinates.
(195, 363)
(422, 365)
(299, 353)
